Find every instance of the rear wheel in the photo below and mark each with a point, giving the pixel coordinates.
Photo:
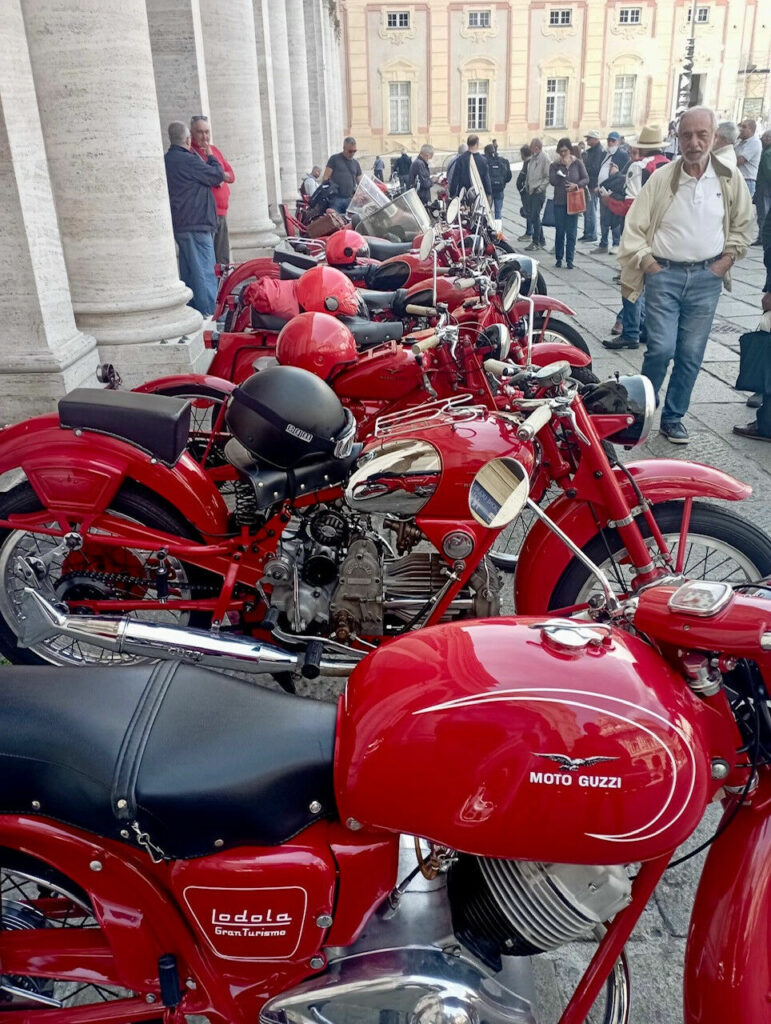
(559, 331)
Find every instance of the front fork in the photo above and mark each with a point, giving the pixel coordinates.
(727, 957)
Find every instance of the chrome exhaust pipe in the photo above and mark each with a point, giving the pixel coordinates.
(43, 621)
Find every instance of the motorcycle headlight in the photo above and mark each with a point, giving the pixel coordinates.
(498, 338)
(629, 396)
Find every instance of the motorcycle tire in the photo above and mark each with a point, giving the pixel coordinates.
(131, 501)
(713, 527)
(561, 332)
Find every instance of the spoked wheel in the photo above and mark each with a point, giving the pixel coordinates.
(34, 897)
(719, 545)
(561, 332)
(95, 572)
(204, 445)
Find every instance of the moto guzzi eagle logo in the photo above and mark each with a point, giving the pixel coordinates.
(568, 769)
(572, 764)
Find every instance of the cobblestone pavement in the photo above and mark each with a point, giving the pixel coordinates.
(657, 946)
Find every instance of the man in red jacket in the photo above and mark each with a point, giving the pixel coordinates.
(200, 132)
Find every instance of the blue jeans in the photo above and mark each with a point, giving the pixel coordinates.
(196, 268)
(750, 186)
(632, 315)
(680, 305)
(590, 219)
(566, 226)
(340, 203)
(610, 223)
(497, 205)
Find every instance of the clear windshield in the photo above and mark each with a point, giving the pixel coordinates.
(400, 220)
(367, 198)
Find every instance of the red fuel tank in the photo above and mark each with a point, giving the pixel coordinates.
(386, 373)
(503, 738)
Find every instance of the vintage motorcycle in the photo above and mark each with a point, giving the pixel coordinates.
(209, 847)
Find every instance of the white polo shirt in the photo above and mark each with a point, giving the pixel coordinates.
(692, 227)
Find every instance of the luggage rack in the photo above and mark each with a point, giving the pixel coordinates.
(436, 413)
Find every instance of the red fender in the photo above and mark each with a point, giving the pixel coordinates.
(544, 557)
(78, 476)
(727, 964)
(260, 267)
(541, 304)
(183, 380)
(545, 352)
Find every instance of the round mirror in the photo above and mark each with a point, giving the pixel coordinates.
(511, 291)
(452, 210)
(498, 493)
(426, 245)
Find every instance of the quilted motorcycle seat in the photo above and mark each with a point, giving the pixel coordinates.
(194, 757)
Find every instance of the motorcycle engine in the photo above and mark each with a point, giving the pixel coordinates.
(519, 908)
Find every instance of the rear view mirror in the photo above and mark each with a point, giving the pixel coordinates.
(453, 210)
(425, 245)
(498, 493)
(511, 292)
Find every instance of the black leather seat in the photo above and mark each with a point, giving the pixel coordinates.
(157, 424)
(202, 760)
(395, 300)
(289, 272)
(272, 485)
(368, 333)
(381, 249)
(267, 322)
(387, 277)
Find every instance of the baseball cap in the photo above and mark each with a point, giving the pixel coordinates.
(613, 135)
(592, 135)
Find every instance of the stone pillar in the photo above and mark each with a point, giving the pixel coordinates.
(332, 101)
(93, 75)
(290, 179)
(42, 353)
(230, 49)
(178, 61)
(298, 83)
(317, 81)
(268, 108)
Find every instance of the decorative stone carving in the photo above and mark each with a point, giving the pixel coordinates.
(629, 31)
(478, 35)
(397, 36)
(558, 31)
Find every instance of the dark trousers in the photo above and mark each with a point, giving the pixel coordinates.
(590, 219)
(566, 226)
(610, 224)
(221, 241)
(533, 209)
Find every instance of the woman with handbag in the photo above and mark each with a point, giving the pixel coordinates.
(568, 176)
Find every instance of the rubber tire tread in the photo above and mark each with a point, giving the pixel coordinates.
(706, 519)
(568, 332)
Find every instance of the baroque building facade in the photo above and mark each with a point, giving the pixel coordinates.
(87, 89)
(509, 69)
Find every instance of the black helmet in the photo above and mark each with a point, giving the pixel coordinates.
(528, 271)
(284, 414)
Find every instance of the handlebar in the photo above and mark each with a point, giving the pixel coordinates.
(421, 310)
(425, 344)
(534, 422)
(498, 368)
(464, 282)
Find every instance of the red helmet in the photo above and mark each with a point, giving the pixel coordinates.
(344, 246)
(326, 290)
(316, 342)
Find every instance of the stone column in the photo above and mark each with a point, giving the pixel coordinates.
(42, 353)
(279, 42)
(93, 75)
(268, 108)
(178, 62)
(317, 81)
(332, 101)
(230, 49)
(298, 83)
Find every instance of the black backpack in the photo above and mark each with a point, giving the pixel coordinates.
(500, 173)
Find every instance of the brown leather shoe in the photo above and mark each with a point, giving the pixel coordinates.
(616, 329)
(751, 430)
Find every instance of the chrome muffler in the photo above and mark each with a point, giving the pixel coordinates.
(43, 621)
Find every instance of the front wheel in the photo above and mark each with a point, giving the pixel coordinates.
(560, 331)
(719, 545)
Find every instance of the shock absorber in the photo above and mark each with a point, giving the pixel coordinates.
(246, 512)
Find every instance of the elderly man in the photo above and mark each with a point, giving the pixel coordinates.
(191, 182)
(345, 172)
(200, 133)
(748, 150)
(725, 139)
(592, 158)
(615, 161)
(310, 182)
(459, 177)
(536, 183)
(690, 223)
(419, 176)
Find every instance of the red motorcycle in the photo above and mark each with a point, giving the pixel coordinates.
(209, 847)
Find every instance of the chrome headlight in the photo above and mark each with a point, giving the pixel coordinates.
(629, 396)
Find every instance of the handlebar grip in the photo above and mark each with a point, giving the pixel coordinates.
(425, 344)
(464, 282)
(498, 368)
(420, 310)
(537, 419)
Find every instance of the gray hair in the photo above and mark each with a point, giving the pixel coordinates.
(178, 133)
(701, 110)
(728, 131)
(349, 141)
(427, 151)
(196, 118)
(462, 148)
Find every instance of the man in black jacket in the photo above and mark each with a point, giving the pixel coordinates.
(593, 157)
(460, 175)
(500, 176)
(193, 214)
(420, 174)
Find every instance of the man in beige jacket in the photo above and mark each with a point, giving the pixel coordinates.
(691, 222)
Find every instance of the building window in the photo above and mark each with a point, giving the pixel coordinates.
(623, 99)
(478, 90)
(399, 95)
(702, 15)
(561, 17)
(556, 99)
(398, 19)
(630, 16)
(478, 19)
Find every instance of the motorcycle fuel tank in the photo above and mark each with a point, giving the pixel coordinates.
(523, 739)
(387, 372)
(398, 476)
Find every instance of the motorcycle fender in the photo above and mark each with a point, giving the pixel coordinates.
(544, 557)
(546, 352)
(541, 304)
(184, 380)
(727, 964)
(78, 476)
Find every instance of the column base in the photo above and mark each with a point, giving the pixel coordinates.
(34, 391)
(246, 245)
(153, 319)
(139, 363)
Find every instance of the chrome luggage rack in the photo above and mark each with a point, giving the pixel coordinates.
(436, 413)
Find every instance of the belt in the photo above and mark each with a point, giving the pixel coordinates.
(689, 266)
